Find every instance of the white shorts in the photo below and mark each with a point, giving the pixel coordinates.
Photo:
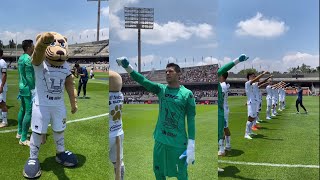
(269, 102)
(3, 96)
(43, 115)
(226, 119)
(252, 109)
(113, 148)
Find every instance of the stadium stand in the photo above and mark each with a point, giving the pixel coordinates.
(201, 80)
(91, 54)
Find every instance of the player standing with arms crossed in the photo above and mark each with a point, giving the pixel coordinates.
(172, 143)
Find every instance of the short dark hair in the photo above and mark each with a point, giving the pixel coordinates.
(225, 75)
(76, 65)
(26, 44)
(249, 74)
(1, 52)
(175, 66)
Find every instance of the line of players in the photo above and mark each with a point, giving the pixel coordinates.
(275, 98)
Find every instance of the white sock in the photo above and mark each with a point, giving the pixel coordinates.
(35, 142)
(1, 113)
(228, 139)
(59, 140)
(221, 145)
(268, 111)
(248, 127)
(4, 117)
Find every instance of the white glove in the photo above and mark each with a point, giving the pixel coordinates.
(123, 61)
(189, 153)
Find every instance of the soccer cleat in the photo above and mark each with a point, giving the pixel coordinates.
(2, 125)
(32, 169)
(246, 136)
(67, 159)
(24, 143)
(221, 153)
(18, 136)
(268, 118)
(227, 148)
(258, 122)
(298, 112)
(306, 112)
(273, 115)
(220, 170)
(252, 134)
(254, 128)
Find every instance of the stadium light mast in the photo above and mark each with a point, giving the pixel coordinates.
(139, 18)
(98, 21)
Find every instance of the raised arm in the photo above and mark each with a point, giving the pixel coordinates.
(139, 78)
(265, 80)
(225, 68)
(43, 41)
(258, 77)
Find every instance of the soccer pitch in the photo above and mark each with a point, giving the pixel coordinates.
(139, 121)
(288, 143)
(87, 136)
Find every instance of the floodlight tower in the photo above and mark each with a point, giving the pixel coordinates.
(98, 21)
(139, 18)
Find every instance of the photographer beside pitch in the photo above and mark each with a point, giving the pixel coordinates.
(172, 143)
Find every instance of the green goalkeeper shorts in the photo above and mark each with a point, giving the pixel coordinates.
(166, 162)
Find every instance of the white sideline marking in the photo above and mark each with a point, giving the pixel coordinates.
(269, 164)
(71, 121)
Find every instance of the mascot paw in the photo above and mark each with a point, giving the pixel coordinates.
(47, 38)
(74, 109)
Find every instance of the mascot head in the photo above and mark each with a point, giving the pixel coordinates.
(57, 52)
(115, 81)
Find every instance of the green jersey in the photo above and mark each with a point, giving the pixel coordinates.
(26, 75)
(174, 105)
(221, 71)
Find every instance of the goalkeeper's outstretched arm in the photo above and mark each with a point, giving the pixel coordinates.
(139, 78)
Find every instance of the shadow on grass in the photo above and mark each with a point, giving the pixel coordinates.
(261, 136)
(8, 106)
(265, 128)
(234, 153)
(232, 171)
(12, 122)
(50, 164)
(84, 97)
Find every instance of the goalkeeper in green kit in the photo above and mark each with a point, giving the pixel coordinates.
(26, 87)
(174, 148)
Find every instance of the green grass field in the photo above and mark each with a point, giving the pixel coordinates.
(287, 139)
(139, 123)
(87, 139)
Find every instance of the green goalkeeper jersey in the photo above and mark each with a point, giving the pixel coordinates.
(221, 71)
(175, 104)
(26, 75)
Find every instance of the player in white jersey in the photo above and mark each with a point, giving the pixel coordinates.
(269, 100)
(258, 99)
(116, 134)
(3, 91)
(251, 102)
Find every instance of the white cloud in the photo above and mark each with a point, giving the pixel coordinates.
(105, 11)
(259, 26)
(162, 33)
(296, 59)
(209, 46)
(117, 5)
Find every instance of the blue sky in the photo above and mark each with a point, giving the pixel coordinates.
(72, 18)
(275, 35)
